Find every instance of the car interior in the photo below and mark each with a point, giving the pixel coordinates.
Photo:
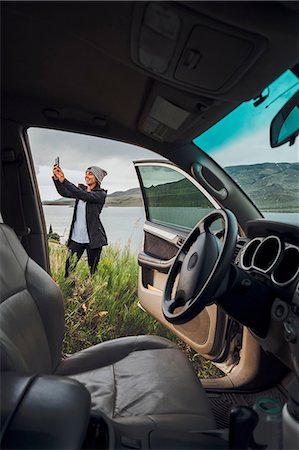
(156, 75)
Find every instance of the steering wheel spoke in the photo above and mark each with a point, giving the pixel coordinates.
(181, 256)
(201, 265)
(201, 227)
(175, 303)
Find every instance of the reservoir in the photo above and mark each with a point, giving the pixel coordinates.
(124, 225)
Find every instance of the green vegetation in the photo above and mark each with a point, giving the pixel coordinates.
(53, 237)
(104, 306)
(180, 193)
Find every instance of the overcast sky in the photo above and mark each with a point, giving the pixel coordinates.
(77, 152)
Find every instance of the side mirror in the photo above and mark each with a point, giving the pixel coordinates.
(285, 125)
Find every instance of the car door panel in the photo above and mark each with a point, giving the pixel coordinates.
(199, 333)
(207, 332)
(162, 242)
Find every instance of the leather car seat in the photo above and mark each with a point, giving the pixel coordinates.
(132, 377)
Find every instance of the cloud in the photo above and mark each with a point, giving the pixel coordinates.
(77, 152)
(253, 148)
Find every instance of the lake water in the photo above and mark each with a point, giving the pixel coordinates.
(124, 225)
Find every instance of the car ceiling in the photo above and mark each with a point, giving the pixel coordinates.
(76, 66)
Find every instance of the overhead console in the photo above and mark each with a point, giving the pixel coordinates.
(191, 50)
(169, 113)
(205, 58)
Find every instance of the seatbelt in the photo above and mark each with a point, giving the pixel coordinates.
(12, 208)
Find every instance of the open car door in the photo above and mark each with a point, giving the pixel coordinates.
(174, 202)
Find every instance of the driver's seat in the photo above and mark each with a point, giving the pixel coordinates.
(134, 379)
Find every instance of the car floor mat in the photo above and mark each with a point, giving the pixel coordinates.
(222, 403)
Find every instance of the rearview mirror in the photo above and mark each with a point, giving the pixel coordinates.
(285, 125)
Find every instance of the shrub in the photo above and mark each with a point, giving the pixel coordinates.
(54, 237)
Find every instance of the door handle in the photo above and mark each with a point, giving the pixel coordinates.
(197, 172)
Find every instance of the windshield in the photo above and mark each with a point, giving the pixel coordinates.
(240, 143)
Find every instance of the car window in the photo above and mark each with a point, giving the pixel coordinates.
(78, 152)
(171, 199)
(240, 143)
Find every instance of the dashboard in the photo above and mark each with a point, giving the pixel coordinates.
(270, 255)
(271, 249)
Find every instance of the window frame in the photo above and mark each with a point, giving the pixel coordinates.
(171, 166)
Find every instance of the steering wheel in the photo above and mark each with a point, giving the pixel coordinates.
(200, 268)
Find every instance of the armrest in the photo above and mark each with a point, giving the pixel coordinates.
(43, 412)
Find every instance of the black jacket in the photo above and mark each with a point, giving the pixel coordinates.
(95, 201)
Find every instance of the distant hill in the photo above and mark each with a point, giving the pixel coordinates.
(273, 187)
(60, 202)
(131, 197)
(166, 195)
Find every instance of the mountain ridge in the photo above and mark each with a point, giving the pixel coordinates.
(260, 181)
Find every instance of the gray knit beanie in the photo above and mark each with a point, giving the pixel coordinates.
(98, 173)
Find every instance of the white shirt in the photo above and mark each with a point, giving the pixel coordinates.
(80, 233)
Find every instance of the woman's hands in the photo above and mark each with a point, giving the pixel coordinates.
(58, 173)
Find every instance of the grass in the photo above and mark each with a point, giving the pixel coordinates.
(104, 306)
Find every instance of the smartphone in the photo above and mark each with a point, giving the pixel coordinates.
(57, 161)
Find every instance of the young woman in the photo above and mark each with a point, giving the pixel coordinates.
(87, 232)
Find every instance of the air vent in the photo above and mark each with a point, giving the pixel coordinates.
(241, 242)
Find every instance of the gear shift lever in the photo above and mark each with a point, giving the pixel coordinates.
(242, 422)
